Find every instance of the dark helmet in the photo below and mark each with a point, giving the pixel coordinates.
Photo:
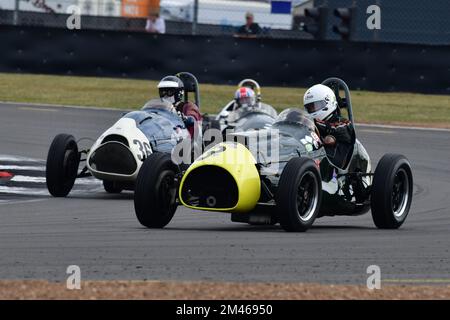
(171, 88)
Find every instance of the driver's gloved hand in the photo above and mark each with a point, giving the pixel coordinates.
(189, 121)
(324, 127)
(329, 141)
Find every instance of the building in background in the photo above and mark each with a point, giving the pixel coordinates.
(138, 8)
(225, 13)
(402, 21)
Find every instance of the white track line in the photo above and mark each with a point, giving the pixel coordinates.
(19, 201)
(40, 109)
(89, 181)
(387, 126)
(23, 191)
(14, 167)
(19, 178)
(47, 105)
(40, 191)
(6, 157)
(27, 179)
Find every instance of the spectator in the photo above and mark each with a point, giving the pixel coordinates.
(155, 24)
(250, 29)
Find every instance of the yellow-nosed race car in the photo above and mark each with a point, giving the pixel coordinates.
(282, 174)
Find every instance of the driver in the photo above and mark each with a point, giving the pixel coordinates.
(336, 132)
(244, 98)
(171, 89)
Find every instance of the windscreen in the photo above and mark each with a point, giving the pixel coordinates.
(159, 104)
(240, 113)
(296, 116)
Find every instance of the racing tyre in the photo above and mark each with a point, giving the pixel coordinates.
(62, 165)
(111, 187)
(299, 195)
(156, 191)
(392, 191)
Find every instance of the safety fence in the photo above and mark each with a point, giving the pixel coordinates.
(225, 60)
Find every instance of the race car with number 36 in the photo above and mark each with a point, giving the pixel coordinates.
(289, 178)
(117, 155)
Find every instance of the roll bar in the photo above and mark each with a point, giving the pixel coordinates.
(190, 83)
(337, 84)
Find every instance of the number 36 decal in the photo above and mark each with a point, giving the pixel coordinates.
(144, 149)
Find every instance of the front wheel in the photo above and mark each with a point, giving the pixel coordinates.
(62, 165)
(299, 195)
(155, 192)
(392, 191)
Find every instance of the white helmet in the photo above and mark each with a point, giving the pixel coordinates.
(171, 89)
(320, 102)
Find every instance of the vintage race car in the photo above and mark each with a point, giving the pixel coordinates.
(117, 155)
(291, 182)
(234, 119)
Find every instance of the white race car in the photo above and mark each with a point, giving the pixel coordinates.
(117, 155)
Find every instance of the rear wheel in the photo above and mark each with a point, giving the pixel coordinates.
(112, 186)
(392, 191)
(156, 191)
(62, 165)
(299, 194)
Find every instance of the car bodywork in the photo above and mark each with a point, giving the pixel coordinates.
(119, 152)
(253, 177)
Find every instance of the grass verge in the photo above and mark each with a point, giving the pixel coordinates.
(369, 107)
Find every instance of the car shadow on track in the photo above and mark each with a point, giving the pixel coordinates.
(253, 228)
(103, 196)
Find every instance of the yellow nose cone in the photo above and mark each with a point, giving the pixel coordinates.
(224, 178)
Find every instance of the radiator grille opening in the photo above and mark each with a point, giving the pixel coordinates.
(113, 158)
(210, 187)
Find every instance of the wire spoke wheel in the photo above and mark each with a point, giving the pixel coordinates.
(70, 164)
(400, 193)
(167, 190)
(307, 196)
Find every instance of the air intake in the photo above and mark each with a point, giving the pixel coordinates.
(116, 138)
(113, 157)
(210, 187)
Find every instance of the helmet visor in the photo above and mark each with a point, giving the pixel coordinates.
(167, 92)
(246, 101)
(315, 106)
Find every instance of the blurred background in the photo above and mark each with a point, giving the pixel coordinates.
(404, 21)
(279, 43)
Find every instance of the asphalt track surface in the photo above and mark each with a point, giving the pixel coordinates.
(40, 236)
